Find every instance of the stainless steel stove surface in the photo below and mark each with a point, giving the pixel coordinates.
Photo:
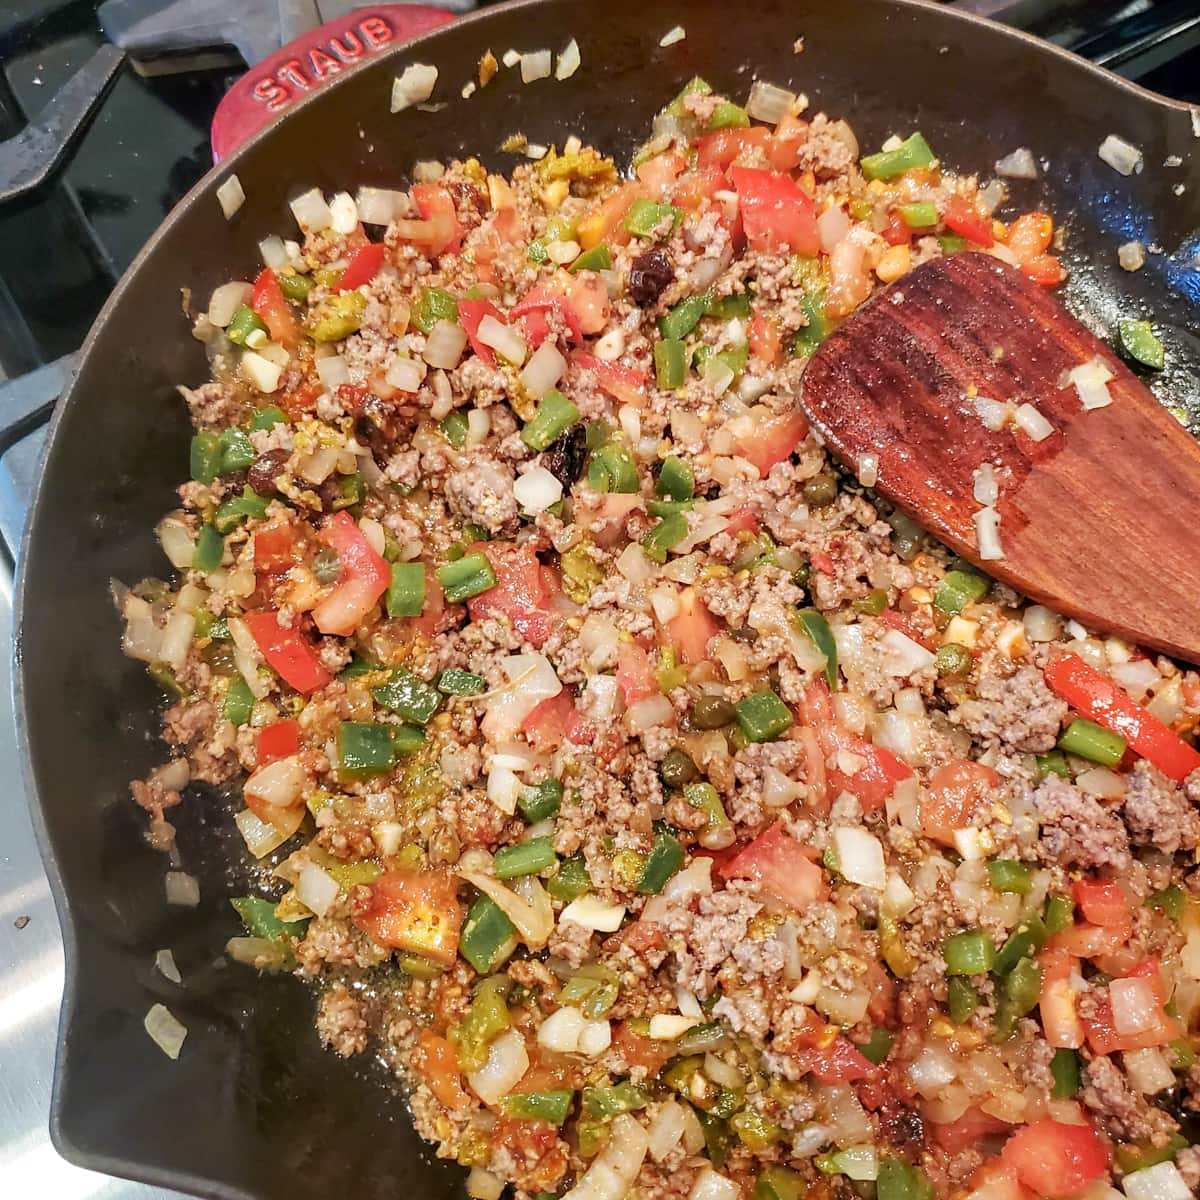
(102, 189)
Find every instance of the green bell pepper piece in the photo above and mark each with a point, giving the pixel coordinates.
(406, 592)
(364, 750)
(920, 215)
(258, 915)
(676, 479)
(433, 305)
(762, 716)
(597, 258)
(1139, 343)
(525, 858)
(238, 701)
(486, 1017)
(684, 317)
(1068, 1079)
(541, 801)
(488, 936)
(668, 532)
(210, 549)
(1093, 742)
(205, 456)
(551, 1107)
(665, 858)
(806, 339)
(267, 418)
(817, 628)
(471, 575)
(958, 589)
(728, 115)
(612, 469)
(237, 454)
(572, 880)
(670, 364)
(237, 509)
(961, 998)
(913, 152)
(246, 327)
(645, 216)
(1008, 875)
(454, 428)
(454, 681)
(969, 953)
(611, 1101)
(555, 415)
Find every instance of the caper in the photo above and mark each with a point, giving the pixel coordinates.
(907, 536)
(802, 574)
(820, 490)
(952, 659)
(677, 769)
(873, 603)
(711, 712)
(327, 566)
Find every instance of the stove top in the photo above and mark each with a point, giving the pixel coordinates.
(114, 145)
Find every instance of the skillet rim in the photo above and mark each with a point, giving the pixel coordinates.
(203, 191)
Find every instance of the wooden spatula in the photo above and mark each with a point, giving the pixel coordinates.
(1100, 520)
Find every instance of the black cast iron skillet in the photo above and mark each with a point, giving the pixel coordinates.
(254, 1108)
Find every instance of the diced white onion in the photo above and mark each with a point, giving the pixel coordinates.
(603, 697)
(868, 469)
(503, 788)
(720, 1071)
(532, 680)
(1124, 158)
(595, 1038)
(261, 837)
(1041, 623)
(1136, 676)
(536, 490)
(1101, 782)
(483, 1185)
(277, 785)
(902, 656)
(672, 36)
(568, 61)
(1031, 422)
(183, 890)
(226, 300)
(507, 1062)
(993, 414)
(479, 425)
(1135, 1007)
(613, 1171)
(712, 1185)
(405, 374)
(987, 533)
(694, 880)
(333, 370)
(1091, 381)
(666, 1027)
(311, 212)
(718, 374)
(592, 913)
(535, 65)
(344, 212)
(231, 196)
(1148, 1071)
(1163, 1181)
(380, 206)
(165, 1031)
(898, 897)
(860, 857)
(511, 57)
(973, 844)
(414, 86)
(561, 1029)
(164, 963)
(543, 370)
(261, 372)
(650, 713)
(768, 102)
(705, 528)
(176, 542)
(932, 1070)
(317, 889)
(1020, 164)
(177, 638)
(445, 345)
(667, 1129)
(531, 913)
(986, 490)
(859, 1162)
(506, 340)
(992, 195)
(833, 225)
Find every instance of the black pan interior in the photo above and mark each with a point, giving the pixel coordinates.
(254, 1108)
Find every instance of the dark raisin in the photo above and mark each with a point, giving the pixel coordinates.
(649, 275)
(564, 458)
(377, 426)
(264, 470)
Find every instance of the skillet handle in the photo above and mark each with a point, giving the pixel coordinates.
(310, 60)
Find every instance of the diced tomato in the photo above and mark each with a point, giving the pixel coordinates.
(961, 216)
(364, 577)
(470, 313)
(555, 721)
(1045, 270)
(277, 741)
(875, 780)
(588, 298)
(965, 1132)
(1090, 941)
(437, 207)
(1029, 236)
(776, 213)
(604, 222)
(1095, 696)
(1060, 1021)
(765, 343)
(626, 384)
(658, 173)
(1056, 1159)
(273, 548)
(363, 266)
(720, 148)
(695, 187)
(520, 593)
(1103, 904)
(905, 624)
(433, 613)
(693, 628)
(897, 232)
(635, 672)
(414, 911)
(773, 440)
(535, 304)
(782, 865)
(957, 793)
(436, 1062)
(783, 152)
(840, 1062)
(742, 520)
(287, 652)
(814, 772)
(268, 302)
(1102, 1034)
(638, 1051)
